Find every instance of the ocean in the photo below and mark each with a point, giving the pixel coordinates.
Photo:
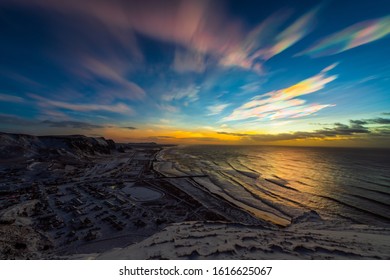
(346, 184)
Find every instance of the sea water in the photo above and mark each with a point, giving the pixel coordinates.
(339, 183)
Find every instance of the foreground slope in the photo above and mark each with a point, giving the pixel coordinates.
(307, 240)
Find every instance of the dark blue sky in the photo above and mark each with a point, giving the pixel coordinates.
(279, 72)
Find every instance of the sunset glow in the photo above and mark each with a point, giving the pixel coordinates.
(197, 72)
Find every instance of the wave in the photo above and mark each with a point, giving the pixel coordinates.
(285, 181)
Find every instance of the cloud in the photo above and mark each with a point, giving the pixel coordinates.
(235, 134)
(291, 35)
(283, 103)
(18, 78)
(71, 124)
(188, 94)
(359, 122)
(175, 139)
(379, 121)
(158, 138)
(201, 139)
(216, 109)
(189, 61)
(115, 108)
(264, 41)
(371, 121)
(52, 114)
(197, 25)
(340, 129)
(351, 37)
(355, 128)
(115, 73)
(201, 27)
(168, 108)
(15, 120)
(251, 87)
(11, 98)
(88, 46)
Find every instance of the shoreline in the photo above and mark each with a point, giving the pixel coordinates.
(203, 182)
(256, 180)
(213, 201)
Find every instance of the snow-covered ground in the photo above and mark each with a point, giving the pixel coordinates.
(142, 193)
(305, 240)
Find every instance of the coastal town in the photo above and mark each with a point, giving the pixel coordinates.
(89, 205)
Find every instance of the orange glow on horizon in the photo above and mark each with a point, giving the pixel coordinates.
(187, 137)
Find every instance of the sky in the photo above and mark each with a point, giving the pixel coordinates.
(198, 72)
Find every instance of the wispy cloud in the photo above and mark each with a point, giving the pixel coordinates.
(198, 28)
(91, 42)
(283, 103)
(351, 37)
(115, 108)
(11, 98)
(7, 119)
(216, 109)
(188, 94)
(71, 124)
(291, 35)
(265, 41)
(30, 124)
(115, 73)
(189, 61)
(168, 108)
(13, 120)
(53, 114)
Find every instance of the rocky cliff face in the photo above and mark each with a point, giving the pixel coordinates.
(22, 145)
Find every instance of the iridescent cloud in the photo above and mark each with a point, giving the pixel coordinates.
(351, 37)
(291, 35)
(283, 103)
(201, 27)
(264, 42)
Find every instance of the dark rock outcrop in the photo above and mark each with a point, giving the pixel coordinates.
(28, 146)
